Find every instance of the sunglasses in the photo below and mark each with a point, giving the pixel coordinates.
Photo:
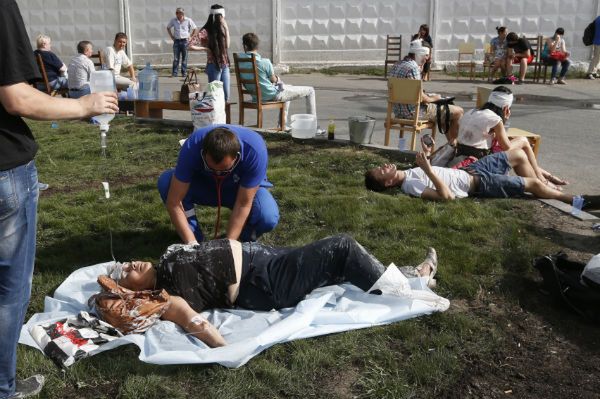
(220, 172)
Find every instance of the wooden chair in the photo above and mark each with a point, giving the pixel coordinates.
(246, 74)
(483, 93)
(46, 84)
(536, 43)
(405, 91)
(98, 64)
(466, 58)
(393, 51)
(488, 59)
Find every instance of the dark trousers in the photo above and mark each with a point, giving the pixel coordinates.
(180, 52)
(275, 278)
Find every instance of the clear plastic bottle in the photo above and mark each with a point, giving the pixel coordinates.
(103, 81)
(148, 81)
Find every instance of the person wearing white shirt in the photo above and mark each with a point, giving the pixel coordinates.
(80, 70)
(115, 58)
(180, 29)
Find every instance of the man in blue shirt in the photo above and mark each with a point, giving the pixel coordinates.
(271, 86)
(221, 165)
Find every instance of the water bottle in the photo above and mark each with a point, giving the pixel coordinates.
(103, 81)
(148, 81)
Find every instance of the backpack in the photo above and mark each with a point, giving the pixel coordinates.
(588, 34)
(562, 281)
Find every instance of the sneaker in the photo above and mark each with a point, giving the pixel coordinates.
(43, 186)
(591, 76)
(29, 387)
(552, 81)
(561, 81)
(320, 131)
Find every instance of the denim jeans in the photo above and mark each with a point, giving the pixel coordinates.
(290, 93)
(263, 216)
(554, 63)
(58, 83)
(18, 218)
(219, 74)
(180, 52)
(80, 93)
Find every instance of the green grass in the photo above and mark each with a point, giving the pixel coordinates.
(482, 245)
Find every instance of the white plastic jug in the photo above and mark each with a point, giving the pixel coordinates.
(304, 126)
(148, 81)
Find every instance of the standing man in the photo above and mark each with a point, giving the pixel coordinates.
(115, 57)
(183, 28)
(591, 73)
(221, 165)
(19, 184)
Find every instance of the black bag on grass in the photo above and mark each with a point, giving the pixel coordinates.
(562, 281)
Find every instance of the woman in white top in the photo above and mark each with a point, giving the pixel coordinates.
(481, 131)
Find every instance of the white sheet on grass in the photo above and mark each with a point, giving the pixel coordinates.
(326, 310)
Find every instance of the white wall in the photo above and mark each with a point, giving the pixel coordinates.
(314, 32)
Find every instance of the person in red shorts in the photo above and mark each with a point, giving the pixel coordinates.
(519, 52)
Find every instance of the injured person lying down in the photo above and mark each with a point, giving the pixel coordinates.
(226, 274)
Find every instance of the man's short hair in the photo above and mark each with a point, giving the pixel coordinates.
(221, 142)
(250, 41)
(41, 40)
(82, 45)
(179, 9)
(512, 37)
(371, 182)
(120, 35)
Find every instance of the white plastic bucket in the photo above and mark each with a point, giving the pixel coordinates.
(304, 126)
(361, 129)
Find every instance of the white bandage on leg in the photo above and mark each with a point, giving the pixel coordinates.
(197, 322)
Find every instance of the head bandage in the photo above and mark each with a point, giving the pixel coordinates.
(218, 11)
(418, 50)
(501, 99)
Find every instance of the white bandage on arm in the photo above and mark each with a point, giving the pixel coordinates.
(197, 323)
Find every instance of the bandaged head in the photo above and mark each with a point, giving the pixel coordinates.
(421, 52)
(501, 99)
(218, 11)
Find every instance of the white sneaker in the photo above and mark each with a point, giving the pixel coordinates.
(320, 131)
(561, 81)
(590, 76)
(552, 81)
(29, 387)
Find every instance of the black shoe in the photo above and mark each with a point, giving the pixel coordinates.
(29, 387)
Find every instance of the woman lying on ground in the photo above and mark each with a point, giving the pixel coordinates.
(482, 132)
(226, 273)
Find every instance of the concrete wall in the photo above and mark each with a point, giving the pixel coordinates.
(308, 32)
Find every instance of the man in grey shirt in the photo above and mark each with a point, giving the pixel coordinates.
(80, 70)
(183, 28)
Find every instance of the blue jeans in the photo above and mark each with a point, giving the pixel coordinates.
(564, 67)
(219, 74)
(79, 93)
(494, 181)
(263, 216)
(180, 52)
(18, 218)
(58, 83)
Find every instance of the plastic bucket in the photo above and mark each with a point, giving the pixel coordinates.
(304, 126)
(361, 129)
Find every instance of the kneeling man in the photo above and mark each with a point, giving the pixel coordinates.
(223, 165)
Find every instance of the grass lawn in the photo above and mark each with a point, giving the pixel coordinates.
(484, 247)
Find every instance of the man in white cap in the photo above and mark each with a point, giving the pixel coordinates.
(410, 68)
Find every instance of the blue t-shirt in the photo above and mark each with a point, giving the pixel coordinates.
(251, 171)
(265, 70)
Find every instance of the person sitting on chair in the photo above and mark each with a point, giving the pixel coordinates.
(555, 53)
(115, 57)
(271, 86)
(80, 70)
(226, 273)
(519, 52)
(55, 68)
(410, 68)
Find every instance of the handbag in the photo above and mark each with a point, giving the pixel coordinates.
(443, 111)
(190, 85)
(558, 55)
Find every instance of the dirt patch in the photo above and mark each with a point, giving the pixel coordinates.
(547, 351)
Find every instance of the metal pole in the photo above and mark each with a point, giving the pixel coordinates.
(276, 7)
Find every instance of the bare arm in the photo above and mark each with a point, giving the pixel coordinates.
(23, 100)
(441, 192)
(131, 70)
(425, 98)
(241, 210)
(180, 313)
(227, 39)
(177, 191)
(170, 33)
(501, 135)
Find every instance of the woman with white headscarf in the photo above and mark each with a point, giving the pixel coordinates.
(213, 38)
(482, 132)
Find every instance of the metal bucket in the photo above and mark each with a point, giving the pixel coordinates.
(361, 129)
